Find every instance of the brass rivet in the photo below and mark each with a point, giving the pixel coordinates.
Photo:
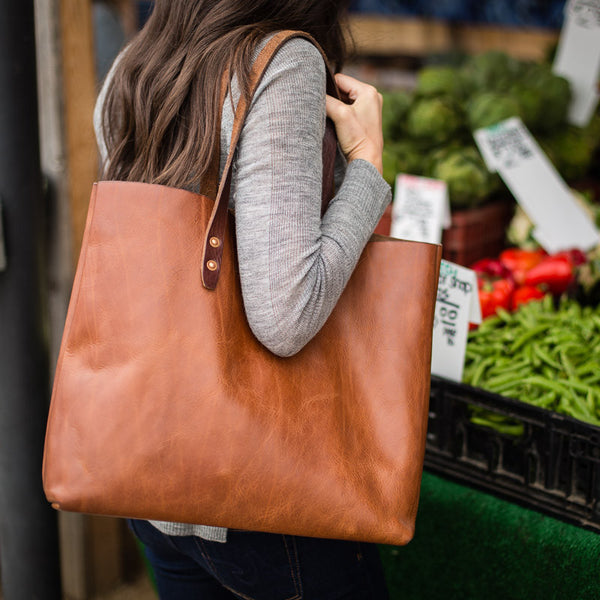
(214, 242)
(211, 265)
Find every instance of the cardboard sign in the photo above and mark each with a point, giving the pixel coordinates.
(560, 222)
(457, 305)
(578, 58)
(421, 209)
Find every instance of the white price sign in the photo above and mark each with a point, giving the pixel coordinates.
(560, 222)
(457, 305)
(578, 57)
(421, 209)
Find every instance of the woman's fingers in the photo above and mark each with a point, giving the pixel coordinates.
(351, 87)
(358, 124)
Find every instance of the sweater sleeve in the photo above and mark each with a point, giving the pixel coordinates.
(293, 264)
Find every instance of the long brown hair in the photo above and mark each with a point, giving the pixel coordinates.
(162, 108)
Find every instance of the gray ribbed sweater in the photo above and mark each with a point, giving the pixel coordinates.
(293, 264)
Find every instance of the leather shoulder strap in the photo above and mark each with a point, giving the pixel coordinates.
(215, 232)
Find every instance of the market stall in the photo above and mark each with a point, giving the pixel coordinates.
(510, 497)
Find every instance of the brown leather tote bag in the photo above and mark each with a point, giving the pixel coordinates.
(165, 406)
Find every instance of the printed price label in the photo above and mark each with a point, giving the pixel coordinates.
(457, 305)
(2, 248)
(421, 209)
(585, 13)
(578, 58)
(560, 222)
(504, 145)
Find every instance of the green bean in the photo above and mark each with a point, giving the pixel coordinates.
(541, 354)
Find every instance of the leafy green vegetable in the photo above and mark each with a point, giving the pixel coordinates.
(434, 120)
(489, 108)
(439, 81)
(555, 94)
(395, 108)
(402, 157)
(468, 179)
(571, 152)
(490, 71)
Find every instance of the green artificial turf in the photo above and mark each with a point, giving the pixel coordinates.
(471, 545)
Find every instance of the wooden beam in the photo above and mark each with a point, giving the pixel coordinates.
(379, 36)
(79, 80)
(91, 547)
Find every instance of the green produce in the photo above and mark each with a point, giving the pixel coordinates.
(543, 96)
(490, 71)
(394, 111)
(541, 354)
(402, 157)
(439, 81)
(433, 120)
(592, 130)
(489, 108)
(468, 179)
(531, 103)
(571, 152)
(588, 279)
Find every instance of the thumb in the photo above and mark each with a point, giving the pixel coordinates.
(335, 108)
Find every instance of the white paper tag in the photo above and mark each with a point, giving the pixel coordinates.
(559, 220)
(421, 209)
(457, 305)
(2, 247)
(578, 58)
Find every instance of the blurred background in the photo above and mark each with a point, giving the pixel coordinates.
(55, 55)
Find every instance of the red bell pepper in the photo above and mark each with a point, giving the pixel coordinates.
(525, 294)
(555, 273)
(519, 261)
(490, 267)
(575, 256)
(495, 294)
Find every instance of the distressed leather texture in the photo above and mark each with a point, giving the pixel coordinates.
(166, 407)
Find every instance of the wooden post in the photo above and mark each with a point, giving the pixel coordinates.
(79, 84)
(91, 547)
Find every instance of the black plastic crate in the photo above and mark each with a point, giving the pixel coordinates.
(554, 467)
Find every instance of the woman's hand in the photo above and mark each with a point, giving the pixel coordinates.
(358, 125)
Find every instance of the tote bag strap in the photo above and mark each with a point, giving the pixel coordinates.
(215, 232)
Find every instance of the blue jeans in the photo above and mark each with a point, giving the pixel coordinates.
(261, 566)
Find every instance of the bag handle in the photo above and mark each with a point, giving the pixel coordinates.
(215, 232)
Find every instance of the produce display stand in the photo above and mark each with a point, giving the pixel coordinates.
(471, 545)
(501, 515)
(553, 467)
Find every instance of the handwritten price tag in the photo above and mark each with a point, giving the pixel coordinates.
(457, 305)
(560, 222)
(421, 209)
(578, 57)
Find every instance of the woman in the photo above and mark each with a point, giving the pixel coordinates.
(158, 110)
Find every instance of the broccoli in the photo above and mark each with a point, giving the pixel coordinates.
(489, 108)
(402, 157)
(571, 151)
(490, 71)
(439, 81)
(555, 93)
(434, 120)
(395, 107)
(468, 179)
